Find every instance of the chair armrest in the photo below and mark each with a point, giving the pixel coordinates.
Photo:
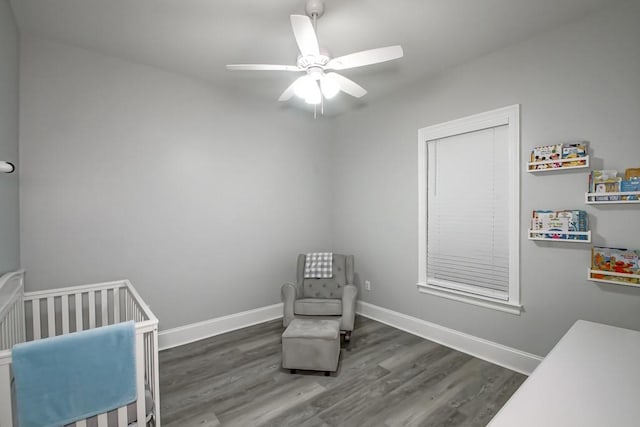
(289, 293)
(349, 294)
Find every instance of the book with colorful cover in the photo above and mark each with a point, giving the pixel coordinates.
(618, 260)
(605, 181)
(549, 153)
(630, 185)
(556, 224)
(546, 153)
(576, 151)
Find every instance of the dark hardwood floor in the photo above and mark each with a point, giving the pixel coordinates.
(386, 377)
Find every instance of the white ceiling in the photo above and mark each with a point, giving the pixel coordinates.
(198, 37)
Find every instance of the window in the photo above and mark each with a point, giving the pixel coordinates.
(469, 180)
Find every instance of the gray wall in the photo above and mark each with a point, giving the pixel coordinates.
(9, 218)
(200, 197)
(580, 82)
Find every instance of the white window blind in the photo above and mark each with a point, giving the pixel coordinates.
(468, 213)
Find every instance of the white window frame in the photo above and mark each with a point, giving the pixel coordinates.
(509, 116)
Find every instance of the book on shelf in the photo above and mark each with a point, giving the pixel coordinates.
(616, 260)
(605, 181)
(557, 224)
(553, 154)
(608, 181)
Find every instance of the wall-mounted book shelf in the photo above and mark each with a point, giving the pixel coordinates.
(558, 164)
(560, 236)
(609, 277)
(612, 198)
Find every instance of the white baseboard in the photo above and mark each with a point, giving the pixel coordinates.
(499, 354)
(197, 331)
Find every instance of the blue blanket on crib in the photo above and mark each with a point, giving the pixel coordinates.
(66, 378)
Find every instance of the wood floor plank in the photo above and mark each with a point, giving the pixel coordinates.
(420, 409)
(408, 355)
(385, 377)
(203, 418)
(263, 411)
(394, 391)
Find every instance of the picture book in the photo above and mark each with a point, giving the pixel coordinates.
(574, 151)
(632, 173)
(556, 224)
(604, 181)
(547, 153)
(625, 261)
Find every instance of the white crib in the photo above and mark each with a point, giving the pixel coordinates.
(34, 315)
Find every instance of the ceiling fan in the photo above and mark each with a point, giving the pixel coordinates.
(319, 79)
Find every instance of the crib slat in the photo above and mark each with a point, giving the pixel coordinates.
(12, 320)
(8, 330)
(65, 314)
(35, 305)
(116, 305)
(146, 356)
(51, 317)
(102, 420)
(140, 378)
(92, 309)
(4, 342)
(78, 303)
(22, 327)
(81, 423)
(18, 322)
(104, 300)
(156, 381)
(5, 331)
(122, 417)
(126, 306)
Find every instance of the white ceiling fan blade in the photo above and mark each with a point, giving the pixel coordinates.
(290, 91)
(262, 67)
(305, 35)
(366, 57)
(347, 86)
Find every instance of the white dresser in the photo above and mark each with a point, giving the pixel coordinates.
(590, 378)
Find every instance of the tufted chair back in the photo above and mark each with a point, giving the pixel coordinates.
(330, 287)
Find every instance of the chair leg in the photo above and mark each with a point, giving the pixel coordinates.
(347, 336)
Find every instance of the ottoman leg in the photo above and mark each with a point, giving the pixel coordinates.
(327, 373)
(293, 371)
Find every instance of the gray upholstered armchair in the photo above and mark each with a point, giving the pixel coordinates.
(335, 296)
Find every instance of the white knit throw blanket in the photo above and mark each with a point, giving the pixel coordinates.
(318, 265)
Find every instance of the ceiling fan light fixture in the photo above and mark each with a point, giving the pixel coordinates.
(329, 87)
(303, 86)
(314, 96)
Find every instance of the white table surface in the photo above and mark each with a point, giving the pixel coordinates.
(590, 378)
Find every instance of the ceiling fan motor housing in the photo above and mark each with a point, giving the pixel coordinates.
(309, 61)
(314, 8)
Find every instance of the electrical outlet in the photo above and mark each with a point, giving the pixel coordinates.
(367, 285)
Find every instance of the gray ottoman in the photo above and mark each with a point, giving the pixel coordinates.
(311, 344)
